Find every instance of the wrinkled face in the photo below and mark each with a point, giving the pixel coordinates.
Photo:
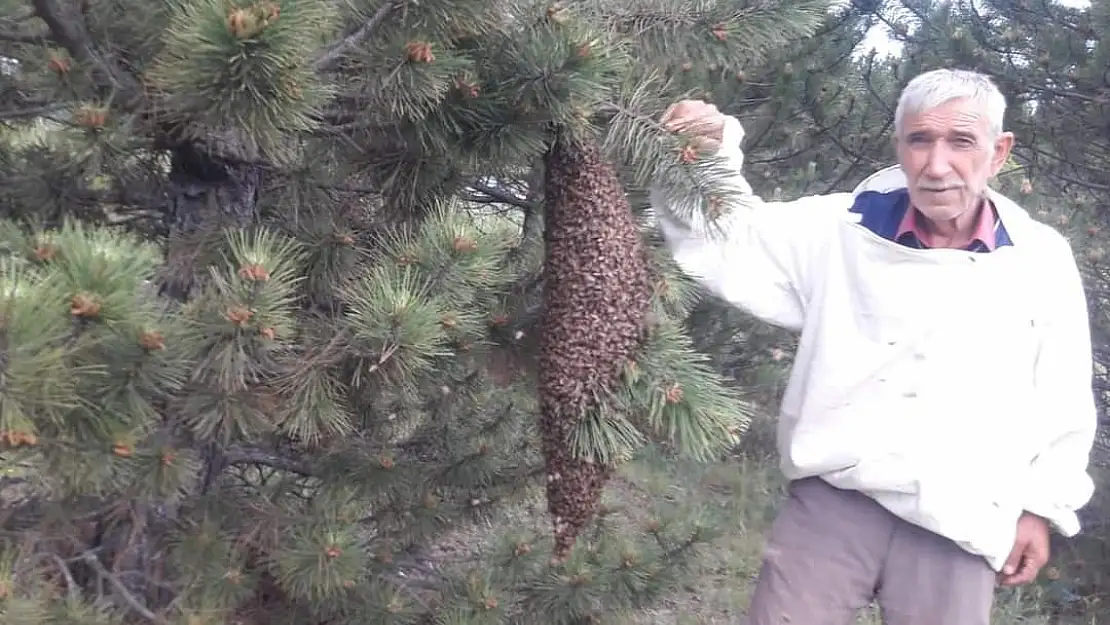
(948, 155)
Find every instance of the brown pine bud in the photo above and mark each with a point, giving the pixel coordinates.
(91, 117)
(151, 340)
(420, 52)
(270, 11)
(674, 394)
(59, 63)
(243, 24)
(18, 438)
(84, 305)
(465, 244)
(292, 88)
(239, 316)
(688, 154)
(254, 272)
(45, 252)
(467, 88)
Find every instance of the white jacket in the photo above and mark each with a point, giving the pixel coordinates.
(952, 387)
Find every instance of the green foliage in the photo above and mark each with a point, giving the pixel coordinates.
(244, 68)
(379, 446)
(270, 279)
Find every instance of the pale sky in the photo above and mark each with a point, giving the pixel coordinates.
(879, 37)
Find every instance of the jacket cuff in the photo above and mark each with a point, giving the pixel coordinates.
(1065, 522)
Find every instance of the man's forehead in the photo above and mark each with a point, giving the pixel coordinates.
(953, 115)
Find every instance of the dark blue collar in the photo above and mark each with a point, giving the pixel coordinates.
(882, 214)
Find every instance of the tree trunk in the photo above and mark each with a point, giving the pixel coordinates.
(207, 195)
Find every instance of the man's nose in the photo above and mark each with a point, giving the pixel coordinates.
(939, 164)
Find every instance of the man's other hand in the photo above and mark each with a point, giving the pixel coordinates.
(699, 119)
(1030, 551)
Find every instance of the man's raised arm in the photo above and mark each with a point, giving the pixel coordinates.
(760, 256)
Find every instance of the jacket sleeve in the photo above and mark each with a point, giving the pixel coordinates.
(760, 255)
(1059, 482)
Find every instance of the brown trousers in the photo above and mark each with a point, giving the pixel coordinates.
(831, 552)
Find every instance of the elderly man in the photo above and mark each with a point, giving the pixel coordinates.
(939, 415)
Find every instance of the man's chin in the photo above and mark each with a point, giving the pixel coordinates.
(940, 213)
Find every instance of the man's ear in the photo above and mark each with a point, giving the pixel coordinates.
(1003, 144)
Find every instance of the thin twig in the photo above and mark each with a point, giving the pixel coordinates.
(23, 37)
(332, 55)
(486, 194)
(125, 594)
(238, 455)
(71, 585)
(71, 34)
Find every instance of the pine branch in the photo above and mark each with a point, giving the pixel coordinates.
(70, 32)
(22, 37)
(253, 455)
(71, 584)
(29, 112)
(125, 594)
(489, 194)
(331, 56)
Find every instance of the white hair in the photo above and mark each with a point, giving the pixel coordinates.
(933, 88)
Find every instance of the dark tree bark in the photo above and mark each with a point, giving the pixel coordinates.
(208, 194)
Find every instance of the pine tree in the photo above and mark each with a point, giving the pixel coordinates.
(270, 281)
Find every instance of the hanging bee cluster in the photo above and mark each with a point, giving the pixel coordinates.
(597, 297)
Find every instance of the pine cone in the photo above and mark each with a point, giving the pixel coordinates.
(597, 296)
